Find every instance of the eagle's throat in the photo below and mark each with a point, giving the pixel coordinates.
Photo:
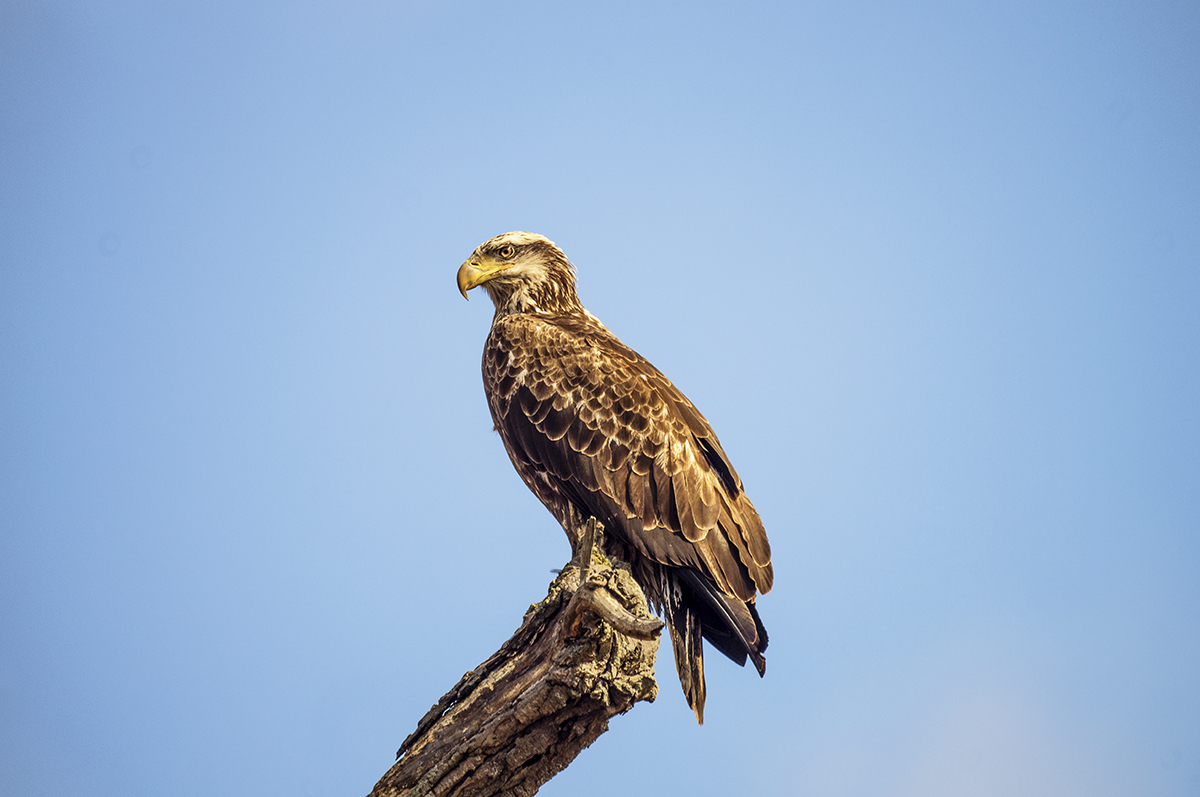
(548, 292)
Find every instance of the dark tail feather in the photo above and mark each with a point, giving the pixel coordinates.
(696, 609)
(686, 640)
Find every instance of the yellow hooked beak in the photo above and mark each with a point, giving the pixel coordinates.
(475, 272)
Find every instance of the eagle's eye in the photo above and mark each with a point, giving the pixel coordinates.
(507, 251)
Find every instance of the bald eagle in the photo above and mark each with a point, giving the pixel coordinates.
(595, 430)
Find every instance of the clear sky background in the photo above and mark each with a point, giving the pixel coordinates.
(931, 269)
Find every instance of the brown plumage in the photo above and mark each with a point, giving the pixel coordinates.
(595, 430)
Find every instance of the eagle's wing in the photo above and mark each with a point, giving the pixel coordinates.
(623, 441)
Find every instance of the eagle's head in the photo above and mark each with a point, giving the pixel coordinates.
(523, 273)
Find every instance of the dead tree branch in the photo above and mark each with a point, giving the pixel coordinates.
(523, 715)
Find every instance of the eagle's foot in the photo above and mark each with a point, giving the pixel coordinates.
(593, 595)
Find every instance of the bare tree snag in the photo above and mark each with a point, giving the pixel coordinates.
(522, 716)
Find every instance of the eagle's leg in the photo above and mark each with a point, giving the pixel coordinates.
(587, 542)
(594, 596)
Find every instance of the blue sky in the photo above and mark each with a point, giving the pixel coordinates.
(931, 270)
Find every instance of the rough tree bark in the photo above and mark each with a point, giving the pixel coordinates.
(581, 656)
